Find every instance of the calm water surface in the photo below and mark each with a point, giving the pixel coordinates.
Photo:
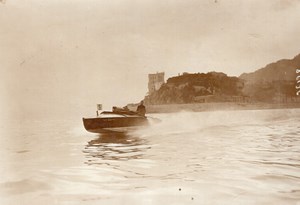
(226, 157)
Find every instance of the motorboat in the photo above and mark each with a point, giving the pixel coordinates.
(117, 120)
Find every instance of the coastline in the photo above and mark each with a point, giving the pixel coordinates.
(202, 107)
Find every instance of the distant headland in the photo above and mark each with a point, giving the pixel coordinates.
(273, 86)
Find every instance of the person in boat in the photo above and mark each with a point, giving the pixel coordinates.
(141, 109)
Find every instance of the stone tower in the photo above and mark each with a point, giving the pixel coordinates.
(155, 81)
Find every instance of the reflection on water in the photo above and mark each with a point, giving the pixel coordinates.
(242, 157)
(114, 146)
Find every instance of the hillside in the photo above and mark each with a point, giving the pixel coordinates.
(280, 70)
(200, 87)
(274, 83)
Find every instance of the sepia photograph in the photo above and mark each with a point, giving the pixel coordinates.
(133, 102)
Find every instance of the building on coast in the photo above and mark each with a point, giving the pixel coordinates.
(155, 81)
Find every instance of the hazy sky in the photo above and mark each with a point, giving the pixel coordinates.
(63, 55)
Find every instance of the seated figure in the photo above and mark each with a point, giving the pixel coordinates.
(141, 109)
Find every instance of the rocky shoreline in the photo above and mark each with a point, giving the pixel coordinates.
(202, 107)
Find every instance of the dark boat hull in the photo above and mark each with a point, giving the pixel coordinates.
(114, 124)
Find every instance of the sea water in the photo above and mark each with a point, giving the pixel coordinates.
(224, 157)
